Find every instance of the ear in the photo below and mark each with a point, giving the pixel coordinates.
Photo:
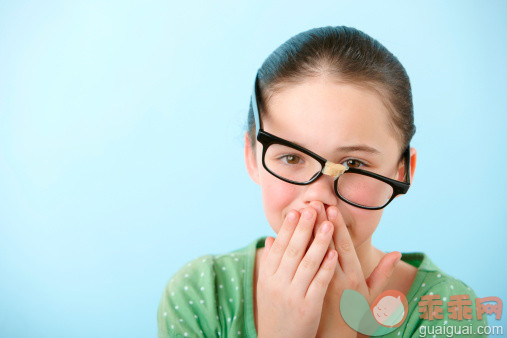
(251, 160)
(413, 161)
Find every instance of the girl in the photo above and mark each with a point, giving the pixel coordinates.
(328, 142)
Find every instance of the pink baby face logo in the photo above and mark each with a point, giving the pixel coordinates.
(390, 308)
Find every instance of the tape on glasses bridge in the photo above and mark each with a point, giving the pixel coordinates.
(334, 169)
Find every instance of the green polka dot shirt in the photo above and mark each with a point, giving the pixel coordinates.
(212, 296)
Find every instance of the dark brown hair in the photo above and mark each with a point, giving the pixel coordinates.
(348, 55)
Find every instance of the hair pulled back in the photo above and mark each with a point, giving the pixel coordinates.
(347, 55)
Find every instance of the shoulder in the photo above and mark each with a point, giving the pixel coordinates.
(438, 301)
(207, 269)
(438, 283)
(200, 269)
(188, 301)
(431, 279)
(201, 296)
(201, 277)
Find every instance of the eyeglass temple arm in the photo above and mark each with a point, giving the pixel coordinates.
(407, 164)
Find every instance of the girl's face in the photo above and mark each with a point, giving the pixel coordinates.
(325, 116)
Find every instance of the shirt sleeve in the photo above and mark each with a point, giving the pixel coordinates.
(452, 310)
(188, 305)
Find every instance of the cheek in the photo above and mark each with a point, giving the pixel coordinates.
(277, 196)
(362, 223)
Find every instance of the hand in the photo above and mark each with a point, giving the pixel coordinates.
(349, 275)
(292, 280)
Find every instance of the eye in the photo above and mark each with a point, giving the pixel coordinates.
(291, 159)
(353, 163)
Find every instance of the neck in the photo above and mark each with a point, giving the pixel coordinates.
(368, 256)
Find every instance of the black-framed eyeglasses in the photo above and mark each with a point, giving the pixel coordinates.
(295, 164)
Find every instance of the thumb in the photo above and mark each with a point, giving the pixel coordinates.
(380, 276)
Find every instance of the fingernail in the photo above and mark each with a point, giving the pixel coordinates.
(292, 216)
(307, 214)
(325, 228)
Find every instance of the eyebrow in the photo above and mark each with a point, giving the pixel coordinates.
(359, 147)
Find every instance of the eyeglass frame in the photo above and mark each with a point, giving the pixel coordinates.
(328, 168)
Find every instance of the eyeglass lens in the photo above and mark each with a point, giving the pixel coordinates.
(296, 166)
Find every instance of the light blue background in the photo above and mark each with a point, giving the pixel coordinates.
(121, 147)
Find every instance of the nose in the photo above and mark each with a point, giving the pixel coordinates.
(322, 189)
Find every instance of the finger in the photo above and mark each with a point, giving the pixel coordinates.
(380, 275)
(267, 246)
(297, 245)
(313, 258)
(327, 211)
(268, 243)
(347, 256)
(318, 286)
(279, 245)
(321, 215)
